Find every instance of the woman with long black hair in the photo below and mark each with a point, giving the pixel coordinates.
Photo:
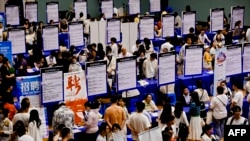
(34, 126)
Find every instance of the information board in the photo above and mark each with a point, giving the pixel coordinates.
(96, 77)
(52, 84)
(50, 38)
(193, 63)
(126, 73)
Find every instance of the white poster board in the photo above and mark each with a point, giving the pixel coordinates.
(76, 34)
(98, 32)
(234, 60)
(126, 73)
(193, 63)
(168, 21)
(153, 134)
(52, 84)
(246, 57)
(119, 136)
(216, 19)
(94, 32)
(12, 15)
(237, 14)
(113, 29)
(188, 21)
(155, 5)
(129, 30)
(134, 7)
(107, 8)
(80, 6)
(166, 68)
(52, 11)
(50, 38)
(146, 28)
(96, 73)
(102, 32)
(31, 11)
(17, 38)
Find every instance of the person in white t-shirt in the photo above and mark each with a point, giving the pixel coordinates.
(114, 47)
(167, 46)
(135, 47)
(237, 119)
(207, 134)
(177, 21)
(124, 53)
(247, 88)
(247, 85)
(203, 95)
(218, 105)
(238, 96)
(23, 115)
(138, 122)
(20, 131)
(203, 37)
(150, 66)
(1, 31)
(104, 130)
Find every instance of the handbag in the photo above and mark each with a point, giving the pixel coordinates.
(209, 119)
(183, 129)
(203, 112)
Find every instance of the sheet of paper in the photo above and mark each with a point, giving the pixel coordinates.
(12, 15)
(134, 7)
(52, 84)
(126, 73)
(147, 28)
(167, 25)
(50, 38)
(80, 6)
(76, 34)
(52, 12)
(246, 58)
(31, 11)
(188, 21)
(114, 29)
(217, 19)
(96, 78)
(234, 61)
(166, 68)
(107, 8)
(193, 60)
(155, 5)
(17, 38)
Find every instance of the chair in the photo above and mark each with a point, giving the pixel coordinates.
(172, 98)
(191, 88)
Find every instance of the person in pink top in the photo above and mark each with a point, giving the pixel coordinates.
(92, 121)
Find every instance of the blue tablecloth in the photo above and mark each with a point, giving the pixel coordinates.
(207, 80)
(64, 39)
(157, 42)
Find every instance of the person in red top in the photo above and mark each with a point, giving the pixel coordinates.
(8, 102)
